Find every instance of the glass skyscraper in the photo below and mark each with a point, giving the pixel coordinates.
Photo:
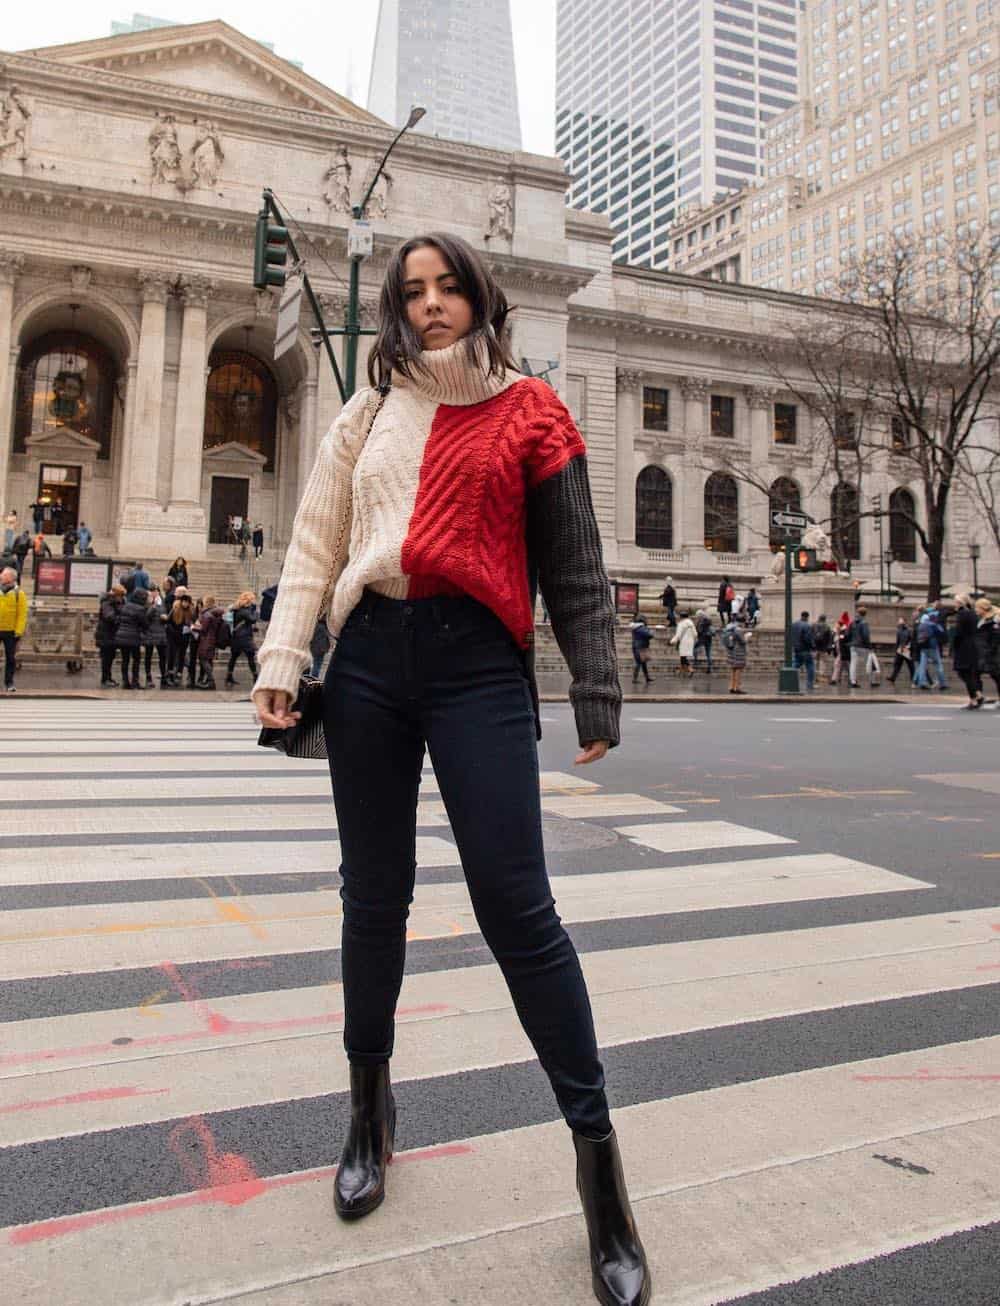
(456, 58)
(660, 106)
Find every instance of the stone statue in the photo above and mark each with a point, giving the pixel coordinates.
(337, 192)
(14, 118)
(814, 537)
(378, 203)
(777, 567)
(206, 157)
(164, 152)
(501, 210)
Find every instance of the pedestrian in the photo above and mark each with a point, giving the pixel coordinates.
(965, 650)
(725, 601)
(168, 590)
(258, 539)
(69, 540)
(685, 638)
(244, 626)
(180, 642)
(245, 536)
(498, 448)
(319, 646)
(138, 578)
(13, 623)
(267, 598)
(207, 629)
(9, 530)
(904, 655)
(133, 623)
(106, 632)
(21, 549)
(155, 640)
(37, 511)
(804, 649)
(734, 641)
(988, 641)
(669, 600)
(178, 570)
(930, 637)
(863, 657)
(642, 637)
(85, 537)
(752, 606)
(823, 639)
(39, 549)
(704, 632)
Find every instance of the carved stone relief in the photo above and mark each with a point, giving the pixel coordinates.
(500, 204)
(264, 303)
(10, 265)
(337, 182)
(199, 167)
(15, 120)
(626, 379)
(80, 277)
(378, 203)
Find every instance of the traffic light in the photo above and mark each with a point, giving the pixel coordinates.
(270, 252)
(805, 560)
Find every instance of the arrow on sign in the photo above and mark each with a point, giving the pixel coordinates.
(797, 520)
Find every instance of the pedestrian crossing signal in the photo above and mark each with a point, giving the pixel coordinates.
(805, 560)
(270, 252)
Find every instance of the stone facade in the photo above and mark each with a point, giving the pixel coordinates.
(136, 359)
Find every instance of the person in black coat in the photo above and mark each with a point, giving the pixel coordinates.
(133, 625)
(988, 641)
(904, 652)
(178, 571)
(244, 625)
(106, 632)
(156, 638)
(965, 650)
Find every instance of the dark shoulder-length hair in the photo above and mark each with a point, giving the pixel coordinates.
(397, 346)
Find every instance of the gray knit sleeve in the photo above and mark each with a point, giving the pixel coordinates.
(565, 547)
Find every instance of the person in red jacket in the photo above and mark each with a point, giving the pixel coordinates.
(437, 497)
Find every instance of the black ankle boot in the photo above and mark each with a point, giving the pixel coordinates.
(360, 1183)
(619, 1271)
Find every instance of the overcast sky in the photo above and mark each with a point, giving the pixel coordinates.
(333, 41)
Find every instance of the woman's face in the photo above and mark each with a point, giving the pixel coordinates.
(438, 311)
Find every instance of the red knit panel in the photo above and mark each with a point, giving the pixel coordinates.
(468, 523)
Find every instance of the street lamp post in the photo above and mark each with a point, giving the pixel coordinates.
(359, 251)
(890, 558)
(974, 555)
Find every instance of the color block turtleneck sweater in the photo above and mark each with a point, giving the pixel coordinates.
(465, 485)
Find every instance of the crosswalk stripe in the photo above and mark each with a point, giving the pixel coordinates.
(74, 940)
(683, 836)
(816, 1131)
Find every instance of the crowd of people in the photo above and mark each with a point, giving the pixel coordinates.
(694, 632)
(142, 623)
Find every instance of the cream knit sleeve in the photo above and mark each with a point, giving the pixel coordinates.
(317, 552)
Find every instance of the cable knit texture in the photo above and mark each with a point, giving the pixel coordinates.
(465, 485)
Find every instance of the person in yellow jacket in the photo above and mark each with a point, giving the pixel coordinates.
(13, 620)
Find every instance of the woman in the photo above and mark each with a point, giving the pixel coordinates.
(642, 637)
(841, 648)
(244, 625)
(105, 632)
(988, 641)
(734, 641)
(156, 639)
(133, 625)
(685, 637)
(965, 651)
(206, 628)
(426, 529)
(178, 570)
(183, 615)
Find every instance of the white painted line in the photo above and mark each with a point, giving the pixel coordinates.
(684, 836)
(801, 720)
(912, 716)
(669, 720)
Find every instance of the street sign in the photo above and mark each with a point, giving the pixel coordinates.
(360, 240)
(790, 519)
(288, 313)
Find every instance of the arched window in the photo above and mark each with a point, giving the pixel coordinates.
(902, 532)
(65, 380)
(241, 403)
(722, 529)
(784, 493)
(845, 522)
(654, 509)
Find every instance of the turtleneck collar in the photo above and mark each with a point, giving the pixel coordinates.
(451, 379)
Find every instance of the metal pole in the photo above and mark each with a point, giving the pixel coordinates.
(788, 676)
(352, 323)
(975, 571)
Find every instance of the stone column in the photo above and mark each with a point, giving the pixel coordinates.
(144, 437)
(628, 422)
(10, 266)
(189, 422)
(760, 401)
(690, 515)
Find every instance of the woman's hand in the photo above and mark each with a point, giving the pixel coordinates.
(592, 752)
(273, 709)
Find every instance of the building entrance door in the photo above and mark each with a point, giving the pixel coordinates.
(58, 497)
(230, 498)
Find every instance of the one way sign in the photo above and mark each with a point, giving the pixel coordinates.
(790, 519)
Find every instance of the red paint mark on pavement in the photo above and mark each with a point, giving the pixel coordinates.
(45, 1229)
(73, 1099)
(214, 1023)
(230, 1176)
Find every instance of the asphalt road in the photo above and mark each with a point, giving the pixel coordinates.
(142, 1048)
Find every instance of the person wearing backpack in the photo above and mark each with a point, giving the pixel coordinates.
(931, 635)
(803, 649)
(642, 637)
(734, 641)
(862, 653)
(704, 632)
(822, 642)
(208, 629)
(726, 596)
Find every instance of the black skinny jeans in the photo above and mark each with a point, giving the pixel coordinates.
(446, 674)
